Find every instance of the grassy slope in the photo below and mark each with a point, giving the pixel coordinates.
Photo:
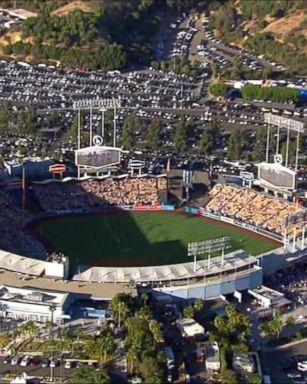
(159, 237)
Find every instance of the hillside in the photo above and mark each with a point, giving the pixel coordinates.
(86, 7)
(275, 28)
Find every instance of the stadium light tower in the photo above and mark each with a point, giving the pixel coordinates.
(101, 104)
(289, 125)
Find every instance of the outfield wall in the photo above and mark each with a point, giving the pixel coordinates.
(229, 220)
(108, 209)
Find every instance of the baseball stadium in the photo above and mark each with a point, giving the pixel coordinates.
(103, 234)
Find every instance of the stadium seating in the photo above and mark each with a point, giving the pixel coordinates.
(251, 207)
(93, 193)
(12, 236)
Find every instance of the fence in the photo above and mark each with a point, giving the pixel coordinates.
(226, 219)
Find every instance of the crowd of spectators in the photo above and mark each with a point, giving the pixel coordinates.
(95, 193)
(13, 237)
(251, 207)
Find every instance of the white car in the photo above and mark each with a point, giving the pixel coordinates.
(68, 365)
(15, 360)
(302, 366)
(25, 361)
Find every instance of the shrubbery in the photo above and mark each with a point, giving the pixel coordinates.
(279, 94)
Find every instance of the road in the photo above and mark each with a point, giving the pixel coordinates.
(272, 361)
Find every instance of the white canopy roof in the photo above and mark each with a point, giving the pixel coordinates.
(22, 264)
(165, 272)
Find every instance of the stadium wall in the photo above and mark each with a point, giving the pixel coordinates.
(212, 290)
(225, 219)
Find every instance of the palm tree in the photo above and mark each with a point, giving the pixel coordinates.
(156, 331)
(188, 312)
(86, 375)
(145, 298)
(199, 305)
(105, 346)
(132, 357)
(122, 311)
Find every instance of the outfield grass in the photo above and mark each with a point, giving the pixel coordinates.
(139, 238)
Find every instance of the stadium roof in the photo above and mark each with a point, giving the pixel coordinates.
(22, 264)
(233, 260)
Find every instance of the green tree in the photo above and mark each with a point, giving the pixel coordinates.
(131, 124)
(155, 329)
(106, 347)
(219, 89)
(290, 321)
(145, 312)
(188, 312)
(236, 144)
(199, 304)
(206, 142)
(229, 377)
(120, 307)
(150, 370)
(259, 147)
(153, 135)
(133, 355)
(86, 374)
(181, 135)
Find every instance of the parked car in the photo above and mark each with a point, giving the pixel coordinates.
(15, 360)
(45, 363)
(25, 361)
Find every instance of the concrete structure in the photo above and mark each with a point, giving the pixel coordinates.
(189, 327)
(34, 167)
(268, 297)
(36, 305)
(243, 362)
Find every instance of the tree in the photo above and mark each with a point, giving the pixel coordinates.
(290, 321)
(219, 89)
(132, 357)
(206, 142)
(131, 124)
(260, 145)
(236, 144)
(150, 370)
(145, 312)
(105, 346)
(181, 135)
(153, 135)
(86, 374)
(155, 329)
(229, 377)
(199, 304)
(120, 308)
(273, 327)
(188, 312)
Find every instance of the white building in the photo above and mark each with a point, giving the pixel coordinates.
(33, 304)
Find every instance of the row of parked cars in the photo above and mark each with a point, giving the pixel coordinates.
(36, 361)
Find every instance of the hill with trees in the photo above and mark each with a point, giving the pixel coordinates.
(274, 28)
(93, 34)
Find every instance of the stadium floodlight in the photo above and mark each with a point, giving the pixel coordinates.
(101, 104)
(286, 123)
(208, 246)
(97, 103)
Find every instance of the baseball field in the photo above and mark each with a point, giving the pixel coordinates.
(139, 238)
